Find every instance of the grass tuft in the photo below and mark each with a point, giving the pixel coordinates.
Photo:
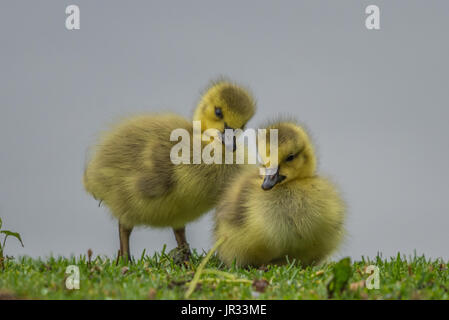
(158, 277)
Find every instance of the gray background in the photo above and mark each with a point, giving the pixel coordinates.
(375, 102)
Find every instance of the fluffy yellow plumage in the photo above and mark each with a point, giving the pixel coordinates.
(132, 174)
(293, 212)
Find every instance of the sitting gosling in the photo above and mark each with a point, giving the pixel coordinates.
(292, 212)
(131, 171)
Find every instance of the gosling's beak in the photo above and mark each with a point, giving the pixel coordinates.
(271, 180)
(232, 143)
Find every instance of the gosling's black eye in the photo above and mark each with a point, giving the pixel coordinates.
(290, 158)
(218, 112)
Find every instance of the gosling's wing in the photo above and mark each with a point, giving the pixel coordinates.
(233, 208)
(156, 177)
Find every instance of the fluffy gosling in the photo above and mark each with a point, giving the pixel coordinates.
(293, 212)
(132, 174)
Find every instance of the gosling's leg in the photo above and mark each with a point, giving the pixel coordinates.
(124, 234)
(180, 235)
(183, 246)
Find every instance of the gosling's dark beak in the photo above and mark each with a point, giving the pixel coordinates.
(271, 180)
(224, 140)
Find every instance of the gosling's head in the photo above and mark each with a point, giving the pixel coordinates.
(295, 158)
(224, 105)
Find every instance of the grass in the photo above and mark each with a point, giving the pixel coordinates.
(157, 277)
(6, 234)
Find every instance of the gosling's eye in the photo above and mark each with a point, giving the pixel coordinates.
(290, 158)
(218, 112)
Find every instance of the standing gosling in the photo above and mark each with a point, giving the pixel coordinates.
(132, 174)
(292, 212)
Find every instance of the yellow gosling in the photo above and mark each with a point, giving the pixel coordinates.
(132, 174)
(293, 212)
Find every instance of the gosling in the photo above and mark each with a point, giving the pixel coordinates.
(131, 171)
(289, 212)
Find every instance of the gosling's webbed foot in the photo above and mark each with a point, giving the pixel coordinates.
(180, 254)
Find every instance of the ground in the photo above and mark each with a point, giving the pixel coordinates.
(158, 277)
